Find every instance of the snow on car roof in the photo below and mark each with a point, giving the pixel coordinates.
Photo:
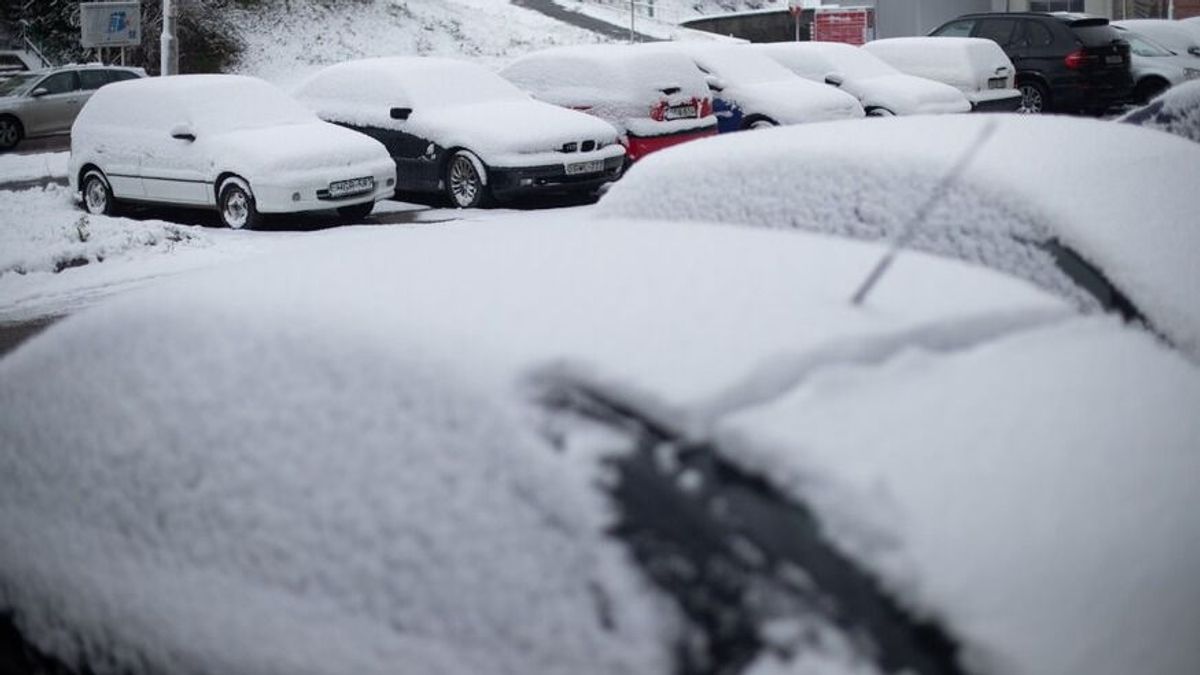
(865, 179)
(420, 81)
(815, 60)
(1175, 111)
(605, 72)
(324, 461)
(739, 64)
(1036, 494)
(961, 61)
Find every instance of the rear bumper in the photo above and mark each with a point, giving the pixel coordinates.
(1091, 93)
(640, 146)
(1006, 104)
(509, 183)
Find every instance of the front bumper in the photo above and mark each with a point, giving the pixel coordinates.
(640, 146)
(309, 194)
(507, 183)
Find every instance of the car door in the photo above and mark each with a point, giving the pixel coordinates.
(176, 169)
(1033, 47)
(54, 103)
(417, 158)
(91, 79)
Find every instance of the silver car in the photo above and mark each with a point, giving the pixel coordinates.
(45, 102)
(1155, 67)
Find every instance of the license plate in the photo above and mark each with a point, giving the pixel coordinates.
(354, 186)
(593, 166)
(998, 83)
(1113, 60)
(681, 112)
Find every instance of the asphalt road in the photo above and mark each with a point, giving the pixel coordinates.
(48, 144)
(556, 11)
(13, 334)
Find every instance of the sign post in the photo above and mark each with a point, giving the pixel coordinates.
(110, 24)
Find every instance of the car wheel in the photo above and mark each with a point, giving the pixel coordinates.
(465, 183)
(1034, 98)
(236, 205)
(879, 112)
(1148, 90)
(357, 212)
(758, 123)
(97, 194)
(11, 132)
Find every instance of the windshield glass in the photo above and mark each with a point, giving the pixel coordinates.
(17, 84)
(1143, 47)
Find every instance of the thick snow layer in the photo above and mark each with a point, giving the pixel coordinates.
(1175, 111)
(867, 178)
(1174, 35)
(963, 63)
(868, 78)
(32, 167)
(755, 84)
(368, 506)
(454, 104)
(620, 84)
(40, 232)
(1036, 493)
(287, 40)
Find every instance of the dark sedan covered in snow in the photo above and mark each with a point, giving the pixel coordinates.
(456, 128)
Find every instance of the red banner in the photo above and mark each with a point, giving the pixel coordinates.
(854, 26)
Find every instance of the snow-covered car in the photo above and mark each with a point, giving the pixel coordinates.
(1175, 111)
(45, 102)
(459, 129)
(751, 91)
(1104, 239)
(977, 67)
(1174, 35)
(1156, 68)
(654, 102)
(882, 89)
(598, 449)
(228, 142)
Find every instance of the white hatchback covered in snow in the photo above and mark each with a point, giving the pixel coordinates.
(1124, 240)
(751, 91)
(457, 128)
(977, 67)
(598, 448)
(882, 89)
(234, 143)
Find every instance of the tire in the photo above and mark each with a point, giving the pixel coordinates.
(879, 112)
(465, 187)
(1149, 89)
(11, 132)
(357, 212)
(1035, 100)
(236, 205)
(97, 194)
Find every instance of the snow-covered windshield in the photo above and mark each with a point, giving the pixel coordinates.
(856, 63)
(458, 84)
(240, 103)
(739, 65)
(1143, 47)
(17, 84)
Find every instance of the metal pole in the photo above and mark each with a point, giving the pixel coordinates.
(169, 63)
(632, 13)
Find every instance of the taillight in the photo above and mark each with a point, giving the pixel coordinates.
(1077, 59)
(705, 107)
(658, 111)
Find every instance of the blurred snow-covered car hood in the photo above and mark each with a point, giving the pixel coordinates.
(1175, 111)
(794, 101)
(907, 95)
(293, 147)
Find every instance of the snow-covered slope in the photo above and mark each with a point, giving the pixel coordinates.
(286, 41)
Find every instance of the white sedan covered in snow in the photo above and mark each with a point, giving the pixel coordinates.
(459, 129)
(590, 448)
(234, 143)
(1123, 240)
(977, 67)
(882, 89)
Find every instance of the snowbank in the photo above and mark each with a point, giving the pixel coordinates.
(1036, 493)
(41, 231)
(867, 178)
(14, 168)
(1175, 111)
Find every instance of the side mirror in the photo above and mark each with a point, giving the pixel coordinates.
(39, 92)
(183, 132)
(835, 79)
(401, 113)
(714, 83)
(1194, 51)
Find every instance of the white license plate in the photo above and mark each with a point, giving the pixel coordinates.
(593, 166)
(681, 112)
(998, 83)
(354, 186)
(1113, 60)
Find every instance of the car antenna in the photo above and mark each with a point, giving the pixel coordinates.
(918, 218)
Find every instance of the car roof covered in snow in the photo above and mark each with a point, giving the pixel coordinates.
(343, 437)
(1175, 111)
(815, 60)
(867, 179)
(420, 80)
(602, 72)
(961, 61)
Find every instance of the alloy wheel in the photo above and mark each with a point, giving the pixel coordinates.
(465, 183)
(1032, 101)
(236, 209)
(9, 133)
(95, 196)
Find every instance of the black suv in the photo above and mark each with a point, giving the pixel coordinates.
(1065, 62)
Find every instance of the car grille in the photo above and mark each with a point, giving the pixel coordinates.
(580, 146)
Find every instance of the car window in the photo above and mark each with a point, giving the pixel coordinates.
(997, 30)
(93, 79)
(1096, 35)
(1143, 47)
(961, 28)
(60, 83)
(16, 84)
(1034, 34)
(122, 75)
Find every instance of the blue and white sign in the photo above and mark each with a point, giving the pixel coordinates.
(110, 24)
